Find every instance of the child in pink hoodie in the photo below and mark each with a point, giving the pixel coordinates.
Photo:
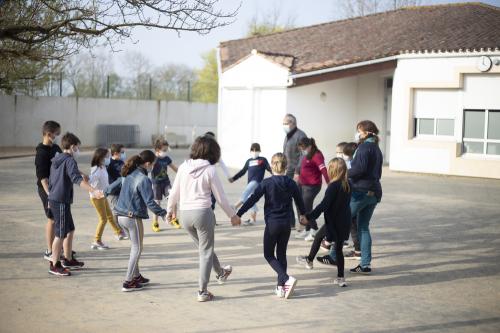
(196, 179)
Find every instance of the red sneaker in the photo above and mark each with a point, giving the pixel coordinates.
(57, 269)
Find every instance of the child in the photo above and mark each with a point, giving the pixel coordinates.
(278, 191)
(45, 152)
(339, 150)
(159, 176)
(136, 196)
(114, 169)
(337, 213)
(63, 174)
(194, 184)
(98, 179)
(256, 167)
(348, 153)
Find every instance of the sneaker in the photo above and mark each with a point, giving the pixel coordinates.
(47, 255)
(327, 260)
(156, 227)
(205, 296)
(141, 280)
(346, 245)
(226, 271)
(310, 235)
(99, 245)
(301, 234)
(361, 270)
(289, 286)
(72, 264)
(353, 255)
(175, 223)
(58, 269)
(121, 236)
(279, 291)
(340, 282)
(302, 260)
(325, 245)
(61, 256)
(248, 223)
(131, 286)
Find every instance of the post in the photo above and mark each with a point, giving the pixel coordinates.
(107, 86)
(150, 86)
(189, 91)
(60, 83)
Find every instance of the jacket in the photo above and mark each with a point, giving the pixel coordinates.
(366, 169)
(291, 150)
(63, 174)
(136, 195)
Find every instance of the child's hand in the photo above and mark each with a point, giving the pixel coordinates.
(235, 220)
(98, 194)
(303, 220)
(231, 180)
(296, 178)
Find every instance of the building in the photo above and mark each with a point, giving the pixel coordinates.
(428, 76)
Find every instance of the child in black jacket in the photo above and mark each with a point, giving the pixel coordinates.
(337, 213)
(279, 190)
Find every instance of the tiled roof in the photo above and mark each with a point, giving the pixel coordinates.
(442, 28)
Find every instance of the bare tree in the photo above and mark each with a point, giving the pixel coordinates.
(37, 31)
(269, 22)
(354, 8)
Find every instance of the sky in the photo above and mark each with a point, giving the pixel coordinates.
(163, 47)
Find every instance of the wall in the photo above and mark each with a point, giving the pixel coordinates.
(23, 116)
(460, 85)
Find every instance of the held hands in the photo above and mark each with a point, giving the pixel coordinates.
(296, 178)
(303, 220)
(98, 194)
(235, 220)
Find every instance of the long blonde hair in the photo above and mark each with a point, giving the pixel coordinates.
(278, 163)
(337, 170)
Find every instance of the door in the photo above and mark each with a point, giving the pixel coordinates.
(387, 109)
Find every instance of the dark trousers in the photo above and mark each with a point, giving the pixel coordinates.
(309, 193)
(339, 244)
(276, 237)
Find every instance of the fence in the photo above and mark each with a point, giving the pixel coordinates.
(23, 116)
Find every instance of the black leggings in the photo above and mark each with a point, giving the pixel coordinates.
(339, 244)
(276, 236)
(309, 192)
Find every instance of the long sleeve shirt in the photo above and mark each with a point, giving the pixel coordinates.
(312, 169)
(256, 168)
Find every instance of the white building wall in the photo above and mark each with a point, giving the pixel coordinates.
(443, 88)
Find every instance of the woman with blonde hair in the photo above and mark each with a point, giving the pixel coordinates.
(335, 207)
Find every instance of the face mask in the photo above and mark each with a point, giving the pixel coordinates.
(304, 153)
(162, 154)
(123, 156)
(107, 160)
(340, 155)
(357, 137)
(76, 153)
(55, 139)
(345, 157)
(286, 128)
(255, 154)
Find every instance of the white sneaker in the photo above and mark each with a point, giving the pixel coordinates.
(340, 282)
(302, 260)
(301, 234)
(226, 271)
(289, 286)
(205, 296)
(99, 246)
(248, 223)
(310, 235)
(279, 292)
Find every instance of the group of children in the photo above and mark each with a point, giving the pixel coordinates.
(140, 182)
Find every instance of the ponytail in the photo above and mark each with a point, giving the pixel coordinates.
(308, 142)
(131, 165)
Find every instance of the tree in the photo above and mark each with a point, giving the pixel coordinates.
(37, 31)
(87, 74)
(206, 87)
(269, 22)
(173, 82)
(354, 8)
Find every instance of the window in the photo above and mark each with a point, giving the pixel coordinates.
(435, 127)
(482, 132)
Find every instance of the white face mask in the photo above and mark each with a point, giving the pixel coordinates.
(357, 137)
(287, 128)
(76, 152)
(55, 140)
(340, 155)
(304, 152)
(123, 156)
(162, 154)
(107, 160)
(255, 154)
(345, 157)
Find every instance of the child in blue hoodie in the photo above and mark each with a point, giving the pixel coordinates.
(63, 174)
(278, 190)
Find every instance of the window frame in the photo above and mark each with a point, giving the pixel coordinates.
(434, 135)
(484, 140)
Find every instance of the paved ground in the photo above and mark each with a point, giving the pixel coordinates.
(436, 269)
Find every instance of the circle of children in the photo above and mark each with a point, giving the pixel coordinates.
(121, 192)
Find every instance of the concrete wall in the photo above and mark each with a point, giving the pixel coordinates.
(457, 85)
(23, 116)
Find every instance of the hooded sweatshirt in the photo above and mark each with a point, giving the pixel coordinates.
(194, 182)
(63, 174)
(279, 192)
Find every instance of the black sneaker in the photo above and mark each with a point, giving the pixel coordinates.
(327, 260)
(141, 280)
(47, 255)
(361, 270)
(57, 269)
(73, 254)
(131, 286)
(72, 264)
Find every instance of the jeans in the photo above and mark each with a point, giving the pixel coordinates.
(362, 207)
(135, 230)
(248, 192)
(309, 193)
(276, 237)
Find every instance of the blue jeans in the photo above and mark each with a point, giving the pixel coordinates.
(248, 192)
(362, 207)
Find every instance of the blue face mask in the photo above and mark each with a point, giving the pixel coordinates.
(107, 160)
(123, 156)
